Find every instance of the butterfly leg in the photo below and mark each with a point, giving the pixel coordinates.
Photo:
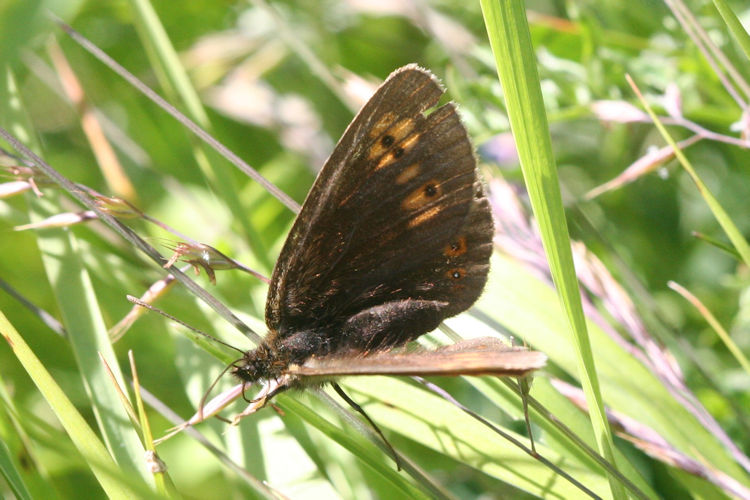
(269, 390)
(358, 409)
(524, 386)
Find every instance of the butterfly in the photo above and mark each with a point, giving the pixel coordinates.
(394, 236)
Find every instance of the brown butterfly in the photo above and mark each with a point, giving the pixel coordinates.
(394, 236)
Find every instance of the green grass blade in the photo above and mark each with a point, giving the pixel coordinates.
(514, 55)
(735, 26)
(104, 468)
(726, 339)
(9, 471)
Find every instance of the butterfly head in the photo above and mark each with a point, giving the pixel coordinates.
(271, 359)
(263, 363)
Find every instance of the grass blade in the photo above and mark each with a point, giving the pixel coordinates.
(511, 44)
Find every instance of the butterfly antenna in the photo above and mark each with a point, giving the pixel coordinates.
(211, 388)
(193, 329)
(350, 401)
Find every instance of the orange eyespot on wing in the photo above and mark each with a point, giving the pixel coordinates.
(423, 195)
(456, 248)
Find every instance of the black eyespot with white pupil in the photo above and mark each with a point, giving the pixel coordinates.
(387, 140)
(430, 190)
(456, 274)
